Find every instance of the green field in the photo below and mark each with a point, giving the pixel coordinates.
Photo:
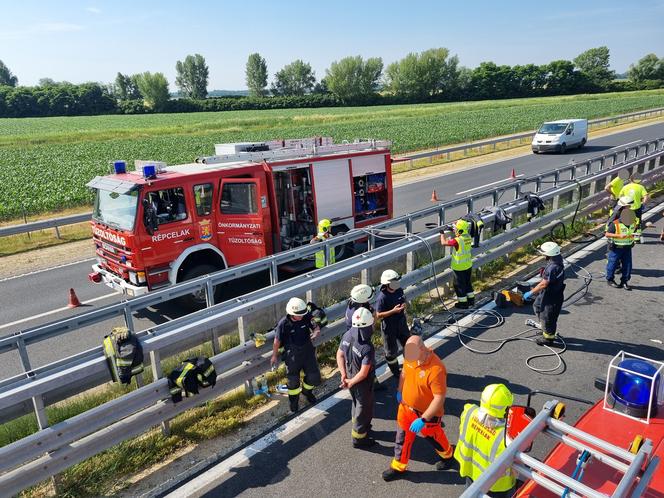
(45, 162)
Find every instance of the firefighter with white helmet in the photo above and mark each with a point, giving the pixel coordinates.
(324, 233)
(390, 310)
(462, 262)
(549, 292)
(482, 438)
(360, 297)
(356, 359)
(639, 196)
(295, 332)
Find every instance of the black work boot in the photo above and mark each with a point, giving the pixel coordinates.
(461, 305)
(391, 474)
(294, 400)
(471, 302)
(309, 394)
(626, 286)
(544, 341)
(365, 442)
(612, 283)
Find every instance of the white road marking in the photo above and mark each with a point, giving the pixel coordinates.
(58, 310)
(624, 145)
(45, 269)
(487, 185)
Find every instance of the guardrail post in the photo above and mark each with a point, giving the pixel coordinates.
(57, 233)
(23, 353)
(158, 373)
(410, 256)
(129, 320)
(588, 167)
(248, 384)
(470, 205)
(274, 273)
(517, 191)
(209, 293)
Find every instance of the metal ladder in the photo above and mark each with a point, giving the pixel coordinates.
(528, 467)
(301, 150)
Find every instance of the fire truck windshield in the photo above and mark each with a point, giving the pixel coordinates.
(116, 210)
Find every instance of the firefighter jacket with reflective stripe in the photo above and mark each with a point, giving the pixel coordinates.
(320, 255)
(478, 447)
(462, 258)
(626, 231)
(192, 374)
(124, 356)
(318, 315)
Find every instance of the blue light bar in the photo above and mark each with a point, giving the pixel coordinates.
(631, 389)
(149, 171)
(120, 167)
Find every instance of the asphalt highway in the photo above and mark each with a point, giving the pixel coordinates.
(320, 461)
(41, 297)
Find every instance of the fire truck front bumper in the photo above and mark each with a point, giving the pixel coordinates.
(100, 275)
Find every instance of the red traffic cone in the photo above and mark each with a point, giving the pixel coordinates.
(73, 300)
(434, 197)
(513, 175)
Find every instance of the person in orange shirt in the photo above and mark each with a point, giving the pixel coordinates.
(421, 396)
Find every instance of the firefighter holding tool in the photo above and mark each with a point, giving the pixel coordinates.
(356, 359)
(482, 438)
(295, 332)
(421, 396)
(324, 233)
(462, 262)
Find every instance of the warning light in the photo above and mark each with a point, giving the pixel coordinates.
(633, 386)
(149, 171)
(120, 167)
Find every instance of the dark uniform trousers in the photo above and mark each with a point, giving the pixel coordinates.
(394, 334)
(362, 406)
(463, 287)
(298, 359)
(548, 314)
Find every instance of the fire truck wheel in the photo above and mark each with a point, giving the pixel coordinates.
(197, 300)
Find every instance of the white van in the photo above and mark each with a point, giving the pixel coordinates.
(558, 136)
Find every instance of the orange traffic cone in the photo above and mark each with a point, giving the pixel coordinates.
(434, 197)
(513, 175)
(73, 300)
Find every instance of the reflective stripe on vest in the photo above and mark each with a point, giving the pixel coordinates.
(180, 379)
(477, 448)
(623, 230)
(320, 255)
(462, 258)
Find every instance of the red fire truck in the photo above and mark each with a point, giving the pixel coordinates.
(159, 225)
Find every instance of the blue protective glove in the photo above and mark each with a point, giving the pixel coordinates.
(417, 425)
(399, 397)
(527, 295)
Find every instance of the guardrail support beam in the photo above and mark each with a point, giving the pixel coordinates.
(158, 373)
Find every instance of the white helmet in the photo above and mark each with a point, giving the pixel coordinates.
(625, 200)
(549, 249)
(389, 276)
(296, 306)
(362, 317)
(362, 293)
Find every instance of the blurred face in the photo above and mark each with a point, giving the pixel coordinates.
(394, 285)
(296, 318)
(627, 216)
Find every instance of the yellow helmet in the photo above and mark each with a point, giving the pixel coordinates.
(462, 226)
(324, 225)
(496, 399)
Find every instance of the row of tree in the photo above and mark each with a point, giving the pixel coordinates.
(429, 76)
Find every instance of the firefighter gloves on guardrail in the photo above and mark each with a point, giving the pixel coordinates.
(189, 376)
(124, 354)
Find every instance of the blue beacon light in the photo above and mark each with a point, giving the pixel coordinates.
(631, 392)
(149, 171)
(120, 167)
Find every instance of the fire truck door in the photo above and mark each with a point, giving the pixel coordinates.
(243, 224)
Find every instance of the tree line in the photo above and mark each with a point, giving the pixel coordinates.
(429, 76)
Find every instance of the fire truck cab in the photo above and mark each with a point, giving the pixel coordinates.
(159, 225)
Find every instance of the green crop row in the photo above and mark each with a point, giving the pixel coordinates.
(46, 162)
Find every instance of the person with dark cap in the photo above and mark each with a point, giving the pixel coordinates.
(295, 332)
(549, 291)
(356, 359)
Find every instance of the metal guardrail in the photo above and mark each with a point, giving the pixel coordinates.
(80, 218)
(51, 450)
(493, 142)
(93, 431)
(53, 382)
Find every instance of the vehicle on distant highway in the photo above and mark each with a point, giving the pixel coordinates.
(160, 225)
(559, 136)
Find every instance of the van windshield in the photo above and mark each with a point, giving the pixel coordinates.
(553, 128)
(116, 210)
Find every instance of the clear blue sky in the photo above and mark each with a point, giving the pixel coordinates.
(92, 40)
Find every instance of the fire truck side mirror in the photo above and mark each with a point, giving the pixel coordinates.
(150, 220)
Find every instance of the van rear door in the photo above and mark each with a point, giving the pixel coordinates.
(243, 224)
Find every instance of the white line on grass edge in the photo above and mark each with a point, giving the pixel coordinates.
(294, 427)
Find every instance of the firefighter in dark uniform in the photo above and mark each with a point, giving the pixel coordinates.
(390, 310)
(549, 291)
(360, 296)
(356, 358)
(295, 332)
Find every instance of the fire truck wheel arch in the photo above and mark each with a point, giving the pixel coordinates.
(198, 254)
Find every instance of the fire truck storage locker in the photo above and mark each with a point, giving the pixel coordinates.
(370, 198)
(332, 185)
(294, 204)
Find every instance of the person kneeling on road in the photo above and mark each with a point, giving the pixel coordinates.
(295, 332)
(482, 439)
(621, 234)
(390, 309)
(421, 397)
(462, 263)
(549, 291)
(356, 359)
